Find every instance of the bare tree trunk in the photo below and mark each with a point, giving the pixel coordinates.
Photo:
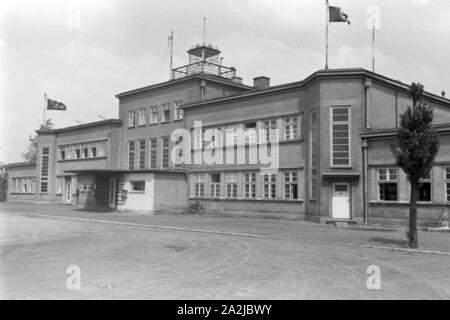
(413, 241)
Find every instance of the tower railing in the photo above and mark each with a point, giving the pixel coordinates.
(204, 67)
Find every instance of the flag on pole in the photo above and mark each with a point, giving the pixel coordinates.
(55, 105)
(337, 15)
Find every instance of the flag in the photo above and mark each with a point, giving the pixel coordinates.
(337, 15)
(55, 105)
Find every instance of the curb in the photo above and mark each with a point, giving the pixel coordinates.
(239, 234)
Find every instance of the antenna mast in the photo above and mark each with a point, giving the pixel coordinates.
(171, 54)
(204, 30)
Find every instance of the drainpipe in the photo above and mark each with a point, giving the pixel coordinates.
(364, 147)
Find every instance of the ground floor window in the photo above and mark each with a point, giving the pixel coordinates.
(424, 193)
(199, 185)
(270, 186)
(86, 186)
(231, 181)
(290, 185)
(250, 185)
(447, 184)
(59, 185)
(388, 184)
(138, 186)
(215, 185)
(23, 185)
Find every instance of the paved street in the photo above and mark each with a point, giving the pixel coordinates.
(135, 256)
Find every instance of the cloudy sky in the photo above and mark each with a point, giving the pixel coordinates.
(84, 52)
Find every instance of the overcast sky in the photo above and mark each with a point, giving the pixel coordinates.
(112, 46)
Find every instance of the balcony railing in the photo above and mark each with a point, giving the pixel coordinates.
(203, 67)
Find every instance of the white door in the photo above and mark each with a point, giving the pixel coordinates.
(340, 207)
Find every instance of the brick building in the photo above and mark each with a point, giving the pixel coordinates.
(329, 134)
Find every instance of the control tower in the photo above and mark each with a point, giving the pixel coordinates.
(204, 59)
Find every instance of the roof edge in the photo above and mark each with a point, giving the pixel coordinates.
(81, 126)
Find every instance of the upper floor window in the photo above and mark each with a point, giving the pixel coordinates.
(269, 128)
(447, 184)
(179, 112)
(166, 112)
(141, 118)
(340, 136)
(215, 185)
(290, 126)
(153, 151)
(131, 155)
(165, 152)
(131, 119)
(388, 184)
(250, 133)
(154, 114)
(85, 150)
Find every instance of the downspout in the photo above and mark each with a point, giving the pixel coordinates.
(364, 146)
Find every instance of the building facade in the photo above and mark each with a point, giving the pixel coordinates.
(316, 149)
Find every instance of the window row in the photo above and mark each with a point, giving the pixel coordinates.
(211, 185)
(268, 130)
(23, 185)
(152, 115)
(87, 150)
(139, 152)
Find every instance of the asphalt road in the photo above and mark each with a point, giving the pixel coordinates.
(119, 261)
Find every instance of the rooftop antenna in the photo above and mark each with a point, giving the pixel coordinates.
(171, 53)
(204, 31)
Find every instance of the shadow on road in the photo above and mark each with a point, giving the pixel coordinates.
(387, 241)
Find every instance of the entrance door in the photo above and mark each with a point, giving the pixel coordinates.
(68, 195)
(113, 193)
(340, 207)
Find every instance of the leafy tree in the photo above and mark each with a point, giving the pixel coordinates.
(3, 182)
(416, 148)
(31, 153)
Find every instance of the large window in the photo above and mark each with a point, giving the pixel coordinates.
(314, 155)
(153, 151)
(142, 116)
(154, 114)
(131, 119)
(231, 180)
(290, 128)
(388, 184)
(290, 185)
(424, 193)
(178, 110)
(142, 153)
(165, 152)
(340, 130)
(447, 184)
(137, 186)
(250, 185)
(215, 185)
(131, 155)
(270, 186)
(250, 133)
(166, 112)
(87, 150)
(45, 158)
(22, 185)
(199, 184)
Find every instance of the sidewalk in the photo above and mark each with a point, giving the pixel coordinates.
(271, 229)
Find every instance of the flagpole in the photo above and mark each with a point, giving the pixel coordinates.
(326, 32)
(373, 48)
(45, 107)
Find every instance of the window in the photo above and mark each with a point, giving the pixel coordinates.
(215, 185)
(387, 184)
(93, 152)
(165, 152)
(85, 153)
(131, 119)
(166, 112)
(250, 133)
(45, 158)
(142, 153)
(77, 154)
(447, 183)
(270, 186)
(153, 150)
(199, 185)
(269, 127)
(424, 193)
(314, 155)
(178, 161)
(290, 126)
(154, 114)
(290, 185)
(131, 147)
(250, 185)
(198, 138)
(231, 135)
(340, 130)
(62, 154)
(314, 179)
(22, 185)
(141, 117)
(178, 110)
(137, 186)
(86, 187)
(59, 185)
(231, 182)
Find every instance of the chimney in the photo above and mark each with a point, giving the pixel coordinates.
(261, 83)
(237, 79)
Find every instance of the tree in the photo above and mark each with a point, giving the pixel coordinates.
(3, 182)
(31, 153)
(416, 148)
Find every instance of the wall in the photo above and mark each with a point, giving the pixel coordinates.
(139, 201)
(171, 191)
(18, 172)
